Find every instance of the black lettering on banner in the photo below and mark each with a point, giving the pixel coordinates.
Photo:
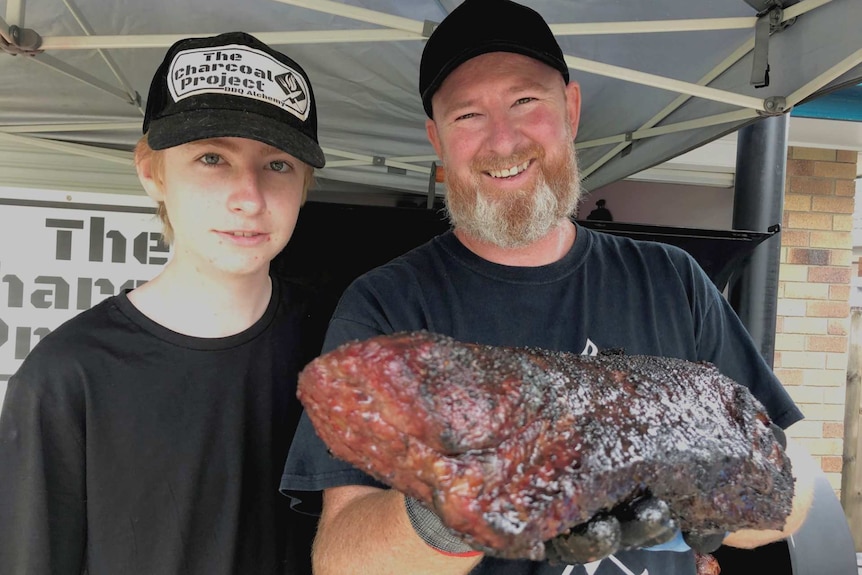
(15, 291)
(58, 296)
(63, 251)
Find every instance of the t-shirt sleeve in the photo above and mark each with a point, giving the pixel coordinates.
(42, 467)
(724, 341)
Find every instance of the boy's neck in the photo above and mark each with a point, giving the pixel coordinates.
(203, 306)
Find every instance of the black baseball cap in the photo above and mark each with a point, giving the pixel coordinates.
(232, 85)
(480, 26)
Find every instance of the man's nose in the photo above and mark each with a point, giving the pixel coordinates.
(503, 135)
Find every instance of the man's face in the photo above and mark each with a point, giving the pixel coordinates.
(233, 203)
(504, 126)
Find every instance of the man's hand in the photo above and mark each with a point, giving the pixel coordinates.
(642, 523)
(433, 532)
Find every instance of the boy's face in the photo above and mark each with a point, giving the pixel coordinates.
(232, 202)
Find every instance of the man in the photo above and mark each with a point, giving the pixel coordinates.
(601, 212)
(515, 271)
(147, 435)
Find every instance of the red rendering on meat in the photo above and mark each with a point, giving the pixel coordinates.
(513, 446)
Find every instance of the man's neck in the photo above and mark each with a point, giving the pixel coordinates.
(549, 249)
(202, 306)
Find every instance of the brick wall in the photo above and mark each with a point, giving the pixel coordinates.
(813, 324)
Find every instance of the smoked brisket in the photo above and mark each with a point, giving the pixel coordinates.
(513, 446)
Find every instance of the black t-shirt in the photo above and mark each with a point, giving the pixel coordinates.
(128, 448)
(607, 293)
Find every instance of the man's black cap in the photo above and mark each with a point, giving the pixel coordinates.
(232, 85)
(480, 26)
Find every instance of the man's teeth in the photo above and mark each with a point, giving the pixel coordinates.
(243, 234)
(509, 172)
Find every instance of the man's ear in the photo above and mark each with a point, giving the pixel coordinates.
(144, 167)
(573, 106)
(433, 136)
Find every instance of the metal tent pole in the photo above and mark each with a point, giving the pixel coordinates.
(761, 162)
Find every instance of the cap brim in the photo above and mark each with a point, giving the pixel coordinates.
(192, 125)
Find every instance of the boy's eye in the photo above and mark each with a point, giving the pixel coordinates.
(210, 159)
(279, 166)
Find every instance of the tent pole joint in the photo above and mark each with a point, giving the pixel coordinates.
(20, 41)
(773, 106)
(428, 27)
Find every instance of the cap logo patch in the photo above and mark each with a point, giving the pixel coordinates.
(239, 71)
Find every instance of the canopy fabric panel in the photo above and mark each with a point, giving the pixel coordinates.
(659, 78)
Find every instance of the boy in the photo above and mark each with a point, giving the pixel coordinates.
(146, 435)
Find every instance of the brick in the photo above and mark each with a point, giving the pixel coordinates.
(842, 223)
(832, 204)
(842, 258)
(837, 327)
(835, 395)
(776, 358)
(792, 307)
(806, 395)
(808, 256)
(823, 446)
(811, 185)
(834, 413)
(825, 378)
(806, 291)
(829, 274)
(782, 255)
(789, 377)
(800, 168)
(795, 237)
(809, 221)
(832, 463)
(839, 292)
(809, 325)
(827, 343)
(793, 273)
(835, 170)
(806, 429)
(827, 309)
(820, 154)
(803, 359)
(849, 156)
(779, 324)
(837, 361)
(790, 342)
(845, 188)
(833, 430)
(831, 239)
(797, 202)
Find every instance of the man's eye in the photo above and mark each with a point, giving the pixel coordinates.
(279, 166)
(211, 159)
(466, 116)
(524, 100)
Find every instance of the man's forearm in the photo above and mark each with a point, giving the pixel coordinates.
(367, 531)
(804, 474)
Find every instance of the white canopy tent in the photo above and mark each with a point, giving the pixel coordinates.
(659, 78)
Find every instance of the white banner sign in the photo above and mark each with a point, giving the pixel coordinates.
(63, 252)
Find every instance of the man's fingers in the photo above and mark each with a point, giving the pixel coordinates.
(588, 542)
(704, 542)
(646, 522)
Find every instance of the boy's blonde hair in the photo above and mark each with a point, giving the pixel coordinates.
(143, 151)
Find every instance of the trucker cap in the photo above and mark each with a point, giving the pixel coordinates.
(232, 85)
(480, 26)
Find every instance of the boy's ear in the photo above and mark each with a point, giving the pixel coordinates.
(144, 167)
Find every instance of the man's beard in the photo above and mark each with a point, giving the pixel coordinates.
(519, 217)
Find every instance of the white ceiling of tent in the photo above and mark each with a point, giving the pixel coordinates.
(659, 77)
